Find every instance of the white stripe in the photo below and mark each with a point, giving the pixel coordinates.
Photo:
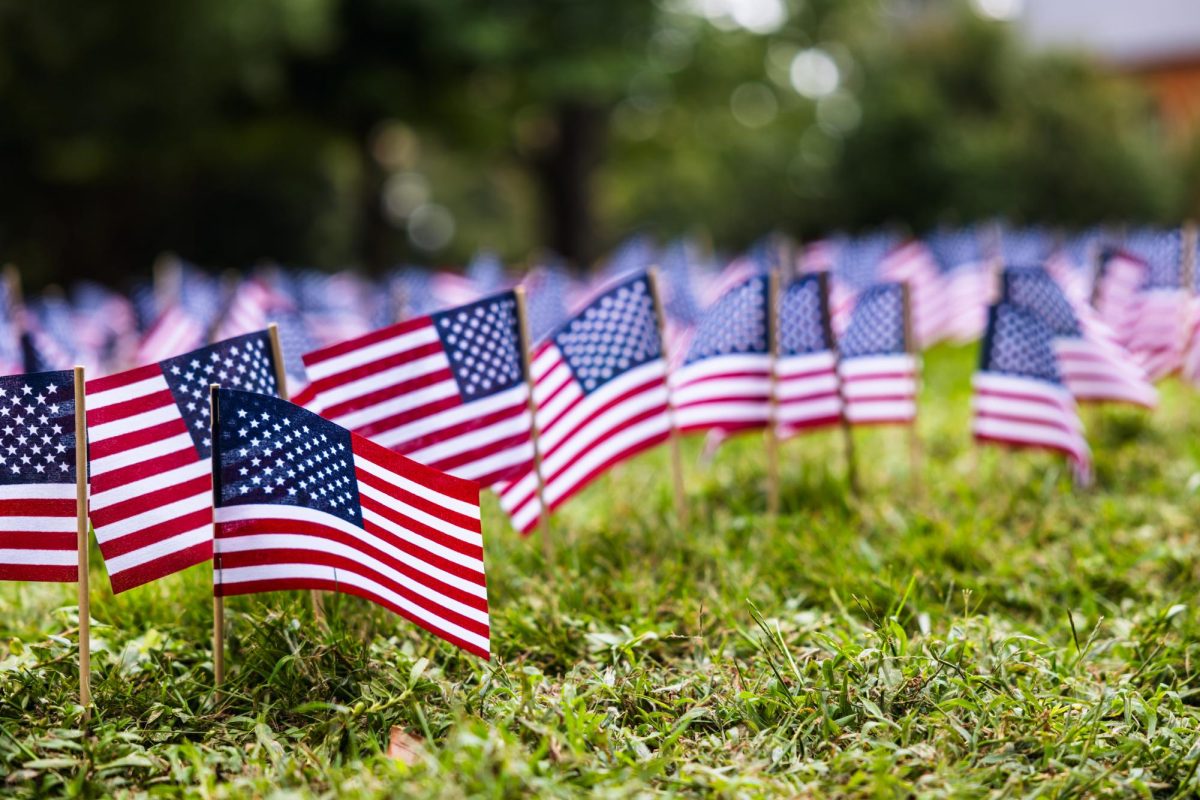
(748, 390)
(121, 394)
(788, 366)
(864, 388)
(881, 411)
(232, 577)
(38, 558)
(38, 491)
(400, 343)
(146, 419)
(423, 517)
(718, 365)
(867, 365)
(1031, 433)
(418, 399)
(717, 414)
(392, 376)
(320, 544)
(579, 431)
(1027, 410)
(457, 415)
(568, 481)
(155, 516)
(143, 453)
(818, 408)
(552, 409)
(159, 549)
(147, 486)
(789, 388)
(387, 476)
(420, 541)
(39, 524)
(583, 411)
(545, 361)
(511, 457)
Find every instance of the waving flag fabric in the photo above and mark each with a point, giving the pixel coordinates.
(1093, 366)
(254, 304)
(190, 304)
(806, 387)
(1157, 336)
(724, 384)
(446, 390)
(1020, 399)
(601, 394)
(302, 503)
(879, 374)
(148, 431)
(913, 264)
(1122, 276)
(38, 510)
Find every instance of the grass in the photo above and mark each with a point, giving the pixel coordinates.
(993, 634)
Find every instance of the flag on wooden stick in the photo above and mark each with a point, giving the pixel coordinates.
(877, 367)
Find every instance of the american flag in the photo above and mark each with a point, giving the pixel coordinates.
(967, 283)
(447, 390)
(38, 506)
(601, 394)
(256, 302)
(806, 388)
(913, 264)
(148, 432)
(190, 302)
(12, 359)
(1019, 396)
(1093, 366)
(724, 383)
(1122, 276)
(1157, 338)
(302, 503)
(878, 371)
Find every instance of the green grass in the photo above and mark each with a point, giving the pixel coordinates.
(994, 633)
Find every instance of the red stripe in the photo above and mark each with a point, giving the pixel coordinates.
(290, 584)
(596, 413)
(808, 398)
(800, 376)
(38, 540)
(258, 557)
(122, 476)
(649, 385)
(156, 533)
(796, 426)
(721, 376)
(161, 567)
(130, 408)
(374, 337)
(1025, 445)
(404, 417)
(366, 370)
(426, 504)
(748, 399)
(97, 385)
(39, 572)
(452, 486)
(265, 557)
(447, 432)
(1016, 395)
(137, 438)
(1053, 425)
(141, 503)
(421, 530)
(486, 451)
(33, 507)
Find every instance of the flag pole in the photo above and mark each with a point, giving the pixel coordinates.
(534, 433)
(681, 509)
(81, 525)
(844, 423)
(218, 600)
(772, 438)
(914, 439)
(281, 387)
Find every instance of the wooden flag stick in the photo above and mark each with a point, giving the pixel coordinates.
(218, 600)
(772, 433)
(844, 424)
(534, 434)
(681, 509)
(914, 439)
(81, 523)
(281, 387)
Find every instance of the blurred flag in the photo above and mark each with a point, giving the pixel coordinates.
(149, 447)
(1019, 396)
(1158, 334)
(913, 264)
(446, 390)
(302, 503)
(806, 387)
(1093, 366)
(967, 283)
(878, 371)
(601, 393)
(189, 310)
(38, 505)
(486, 273)
(1122, 276)
(256, 301)
(549, 289)
(724, 383)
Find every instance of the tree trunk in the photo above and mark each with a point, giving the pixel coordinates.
(564, 172)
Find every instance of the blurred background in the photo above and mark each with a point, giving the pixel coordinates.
(368, 133)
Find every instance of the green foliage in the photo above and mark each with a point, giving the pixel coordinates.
(994, 634)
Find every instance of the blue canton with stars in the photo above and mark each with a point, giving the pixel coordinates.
(1163, 253)
(803, 318)
(1018, 343)
(877, 323)
(615, 333)
(37, 428)
(270, 451)
(244, 362)
(482, 343)
(1032, 289)
(735, 324)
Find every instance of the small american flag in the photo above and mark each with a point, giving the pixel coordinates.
(1122, 276)
(1093, 366)
(255, 302)
(724, 383)
(38, 506)
(447, 390)
(148, 432)
(1019, 398)
(878, 371)
(912, 263)
(1160, 326)
(601, 394)
(302, 503)
(806, 387)
(189, 303)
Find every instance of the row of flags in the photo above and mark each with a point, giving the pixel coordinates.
(367, 481)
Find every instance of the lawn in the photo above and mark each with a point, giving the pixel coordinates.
(990, 632)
